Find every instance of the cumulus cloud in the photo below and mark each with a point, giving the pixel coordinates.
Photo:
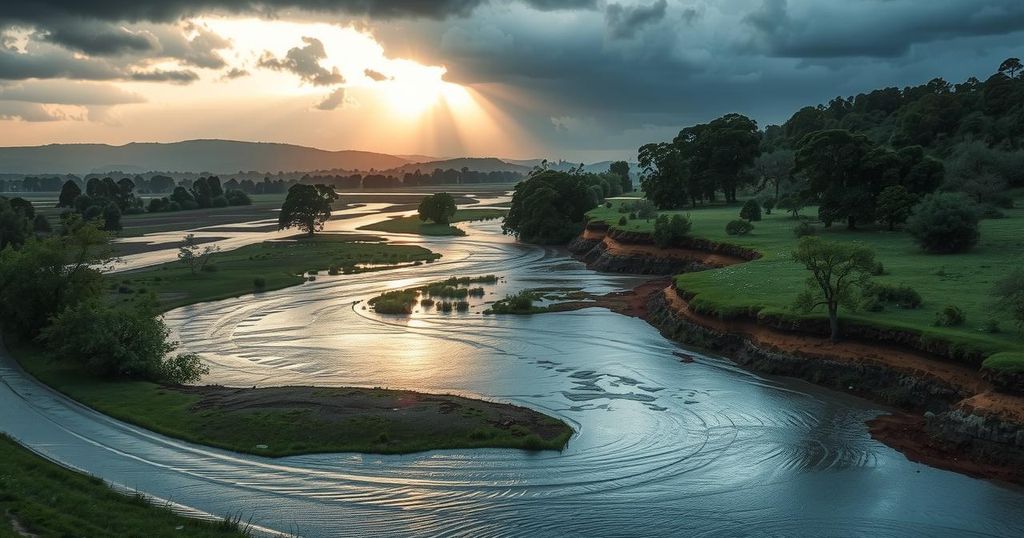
(304, 62)
(233, 73)
(334, 100)
(624, 22)
(376, 76)
(35, 112)
(98, 38)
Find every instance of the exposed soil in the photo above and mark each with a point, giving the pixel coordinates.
(907, 433)
(904, 432)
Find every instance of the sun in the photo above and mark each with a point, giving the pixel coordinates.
(414, 89)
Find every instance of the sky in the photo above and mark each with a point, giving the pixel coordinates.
(583, 80)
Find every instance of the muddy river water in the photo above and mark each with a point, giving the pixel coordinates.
(662, 447)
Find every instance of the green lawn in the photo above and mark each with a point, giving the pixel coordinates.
(279, 263)
(770, 284)
(413, 224)
(40, 498)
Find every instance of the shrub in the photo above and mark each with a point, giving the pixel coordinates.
(950, 316)
(804, 229)
(944, 223)
(445, 306)
(623, 220)
(259, 283)
(122, 342)
(608, 205)
(878, 269)
(427, 302)
(1009, 293)
(750, 211)
(645, 209)
(670, 231)
(903, 295)
(334, 270)
(738, 227)
(462, 306)
(237, 197)
(991, 212)
(768, 205)
(210, 268)
(219, 201)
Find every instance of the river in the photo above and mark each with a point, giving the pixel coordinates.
(662, 447)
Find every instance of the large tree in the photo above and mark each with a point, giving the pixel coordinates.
(834, 163)
(665, 179)
(621, 169)
(838, 272)
(549, 207)
(307, 207)
(438, 207)
(723, 151)
(68, 193)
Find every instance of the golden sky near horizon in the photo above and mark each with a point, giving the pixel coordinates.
(366, 100)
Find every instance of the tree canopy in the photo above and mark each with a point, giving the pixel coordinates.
(838, 271)
(438, 207)
(307, 207)
(549, 207)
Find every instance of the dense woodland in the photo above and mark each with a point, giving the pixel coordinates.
(841, 156)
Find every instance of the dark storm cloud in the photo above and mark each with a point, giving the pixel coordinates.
(873, 28)
(623, 22)
(98, 38)
(304, 62)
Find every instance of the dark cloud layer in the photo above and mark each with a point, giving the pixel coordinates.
(304, 62)
(624, 22)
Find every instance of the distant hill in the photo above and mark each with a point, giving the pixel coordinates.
(477, 164)
(214, 156)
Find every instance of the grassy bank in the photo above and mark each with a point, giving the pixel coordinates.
(298, 420)
(769, 285)
(278, 263)
(413, 224)
(40, 498)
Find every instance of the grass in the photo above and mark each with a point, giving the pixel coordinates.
(413, 224)
(279, 263)
(41, 498)
(401, 302)
(768, 285)
(302, 420)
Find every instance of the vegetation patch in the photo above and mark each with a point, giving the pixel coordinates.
(447, 296)
(415, 225)
(40, 498)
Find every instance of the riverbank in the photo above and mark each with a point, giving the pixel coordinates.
(41, 498)
(964, 423)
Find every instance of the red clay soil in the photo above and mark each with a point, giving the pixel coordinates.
(625, 249)
(907, 434)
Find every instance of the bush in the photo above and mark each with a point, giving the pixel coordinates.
(427, 302)
(259, 283)
(210, 267)
(750, 211)
(334, 270)
(237, 197)
(950, 316)
(804, 229)
(738, 227)
(219, 201)
(623, 220)
(944, 223)
(462, 306)
(670, 231)
(1009, 294)
(645, 209)
(768, 205)
(903, 295)
(123, 342)
(608, 205)
(878, 269)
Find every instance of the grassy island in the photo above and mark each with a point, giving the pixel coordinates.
(413, 224)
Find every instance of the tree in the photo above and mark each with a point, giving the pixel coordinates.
(438, 207)
(793, 203)
(548, 207)
(1010, 66)
(41, 225)
(723, 151)
(670, 231)
(834, 164)
(894, 205)
(944, 223)
(120, 341)
(193, 255)
(15, 227)
(665, 179)
(751, 211)
(838, 272)
(45, 276)
(111, 218)
(621, 170)
(68, 192)
(1009, 293)
(774, 169)
(307, 207)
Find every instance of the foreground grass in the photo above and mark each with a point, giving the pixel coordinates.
(769, 285)
(299, 420)
(278, 263)
(40, 498)
(413, 224)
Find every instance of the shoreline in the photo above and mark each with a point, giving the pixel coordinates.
(950, 416)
